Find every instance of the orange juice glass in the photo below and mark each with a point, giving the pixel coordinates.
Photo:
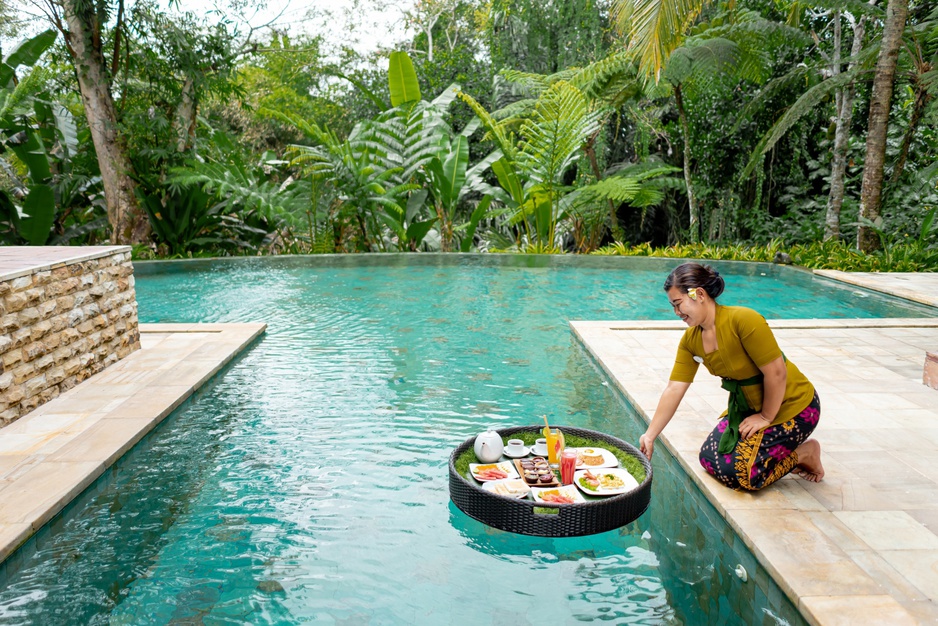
(555, 445)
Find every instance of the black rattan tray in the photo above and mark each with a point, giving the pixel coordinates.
(527, 517)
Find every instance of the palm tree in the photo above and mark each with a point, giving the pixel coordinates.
(657, 33)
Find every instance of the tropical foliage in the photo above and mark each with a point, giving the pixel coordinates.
(510, 125)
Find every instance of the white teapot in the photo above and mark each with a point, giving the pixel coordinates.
(488, 446)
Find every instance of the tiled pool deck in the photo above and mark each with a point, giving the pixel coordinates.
(860, 547)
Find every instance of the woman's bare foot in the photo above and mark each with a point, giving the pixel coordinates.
(809, 461)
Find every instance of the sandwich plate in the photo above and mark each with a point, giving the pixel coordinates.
(510, 487)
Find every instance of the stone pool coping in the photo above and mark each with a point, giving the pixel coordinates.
(918, 287)
(52, 454)
(860, 546)
(16, 261)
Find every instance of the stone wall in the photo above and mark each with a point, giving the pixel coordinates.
(61, 323)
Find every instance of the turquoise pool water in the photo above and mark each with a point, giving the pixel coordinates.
(308, 483)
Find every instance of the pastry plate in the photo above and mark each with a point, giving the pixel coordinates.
(613, 481)
(536, 483)
(608, 458)
(568, 492)
(478, 471)
(509, 487)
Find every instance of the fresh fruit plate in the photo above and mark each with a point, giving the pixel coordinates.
(484, 472)
(595, 457)
(511, 487)
(557, 495)
(604, 482)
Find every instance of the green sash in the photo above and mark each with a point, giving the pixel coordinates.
(737, 409)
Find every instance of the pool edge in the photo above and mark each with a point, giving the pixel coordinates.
(50, 456)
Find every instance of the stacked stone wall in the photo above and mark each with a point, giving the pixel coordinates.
(61, 325)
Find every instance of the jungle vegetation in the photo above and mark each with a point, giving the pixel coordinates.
(749, 129)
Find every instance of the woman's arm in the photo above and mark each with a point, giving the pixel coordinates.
(667, 405)
(775, 376)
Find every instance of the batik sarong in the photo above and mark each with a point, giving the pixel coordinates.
(765, 457)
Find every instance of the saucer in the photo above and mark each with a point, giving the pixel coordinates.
(514, 455)
(539, 452)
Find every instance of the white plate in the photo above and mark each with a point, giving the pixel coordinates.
(628, 481)
(567, 490)
(506, 466)
(517, 487)
(609, 459)
(539, 451)
(511, 455)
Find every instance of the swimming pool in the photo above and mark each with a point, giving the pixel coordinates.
(308, 484)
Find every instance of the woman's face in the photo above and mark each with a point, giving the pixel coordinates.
(691, 311)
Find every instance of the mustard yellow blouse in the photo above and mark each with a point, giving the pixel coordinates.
(744, 343)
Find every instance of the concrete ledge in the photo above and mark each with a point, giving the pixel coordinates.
(862, 545)
(919, 287)
(51, 455)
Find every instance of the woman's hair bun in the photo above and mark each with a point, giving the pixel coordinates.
(690, 275)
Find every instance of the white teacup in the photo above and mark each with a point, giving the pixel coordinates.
(540, 447)
(515, 446)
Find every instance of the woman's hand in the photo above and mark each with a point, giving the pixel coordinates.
(647, 445)
(752, 425)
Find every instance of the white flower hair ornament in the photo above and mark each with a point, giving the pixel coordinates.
(692, 293)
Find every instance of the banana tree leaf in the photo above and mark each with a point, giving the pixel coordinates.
(418, 230)
(446, 98)
(454, 170)
(471, 127)
(415, 203)
(65, 122)
(543, 217)
(39, 210)
(466, 244)
(396, 227)
(25, 53)
(508, 179)
(434, 168)
(402, 79)
(33, 154)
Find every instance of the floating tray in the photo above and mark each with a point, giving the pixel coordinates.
(527, 517)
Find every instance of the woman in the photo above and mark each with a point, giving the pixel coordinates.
(773, 408)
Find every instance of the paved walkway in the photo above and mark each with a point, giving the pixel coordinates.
(51, 455)
(860, 547)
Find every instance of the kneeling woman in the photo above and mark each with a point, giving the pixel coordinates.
(773, 408)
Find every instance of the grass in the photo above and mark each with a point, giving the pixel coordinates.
(626, 461)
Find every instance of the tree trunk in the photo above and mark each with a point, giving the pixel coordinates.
(590, 149)
(128, 223)
(922, 98)
(691, 203)
(184, 123)
(842, 134)
(880, 99)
